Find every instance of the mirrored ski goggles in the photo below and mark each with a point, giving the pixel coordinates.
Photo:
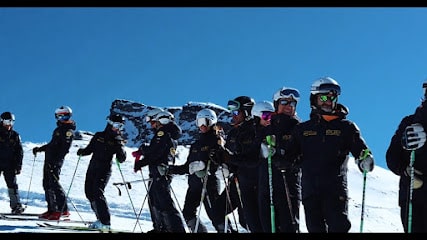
(324, 98)
(287, 102)
(8, 121)
(116, 125)
(287, 93)
(62, 116)
(148, 119)
(203, 122)
(233, 105)
(266, 116)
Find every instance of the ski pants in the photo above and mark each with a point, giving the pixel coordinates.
(326, 212)
(54, 193)
(95, 183)
(419, 212)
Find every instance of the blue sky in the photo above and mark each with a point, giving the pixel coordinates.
(88, 57)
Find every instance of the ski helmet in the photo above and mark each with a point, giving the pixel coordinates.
(261, 107)
(63, 113)
(206, 117)
(116, 121)
(425, 88)
(151, 114)
(285, 92)
(324, 85)
(164, 117)
(242, 103)
(7, 118)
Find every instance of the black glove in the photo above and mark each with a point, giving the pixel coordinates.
(36, 150)
(139, 164)
(17, 171)
(80, 151)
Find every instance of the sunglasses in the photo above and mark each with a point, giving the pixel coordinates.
(287, 93)
(266, 116)
(324, 98)
(287, 102)
(8, 121)
(116, 125)
(62, 117)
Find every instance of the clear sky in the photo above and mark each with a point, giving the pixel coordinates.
(88, 57)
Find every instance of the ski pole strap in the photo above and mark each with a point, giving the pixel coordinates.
(364, 154)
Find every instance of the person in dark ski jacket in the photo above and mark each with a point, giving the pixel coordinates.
(103, 146)
(11, 155)
(242, 159)
(199, 161)
(410, 135)
(323, 144)
(158, 155)
(55, 152)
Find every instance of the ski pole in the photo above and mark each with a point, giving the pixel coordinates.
(203, 194)
(270, 182)
(147, 189)
(127, 190)
(411, 189)
(363, 201)
(29, 185)
(228, 200)
(288, 199)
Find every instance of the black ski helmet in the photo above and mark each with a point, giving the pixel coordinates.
(245, 105)
(114, 117)
(7, 116)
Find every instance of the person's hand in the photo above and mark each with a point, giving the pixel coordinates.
(137, 154)
(413, 137)
(36, 150)
(418, 182)
(365, 161)
(163, 169)
(266, 150)
(17, 171)
(196, 166)
(223, 171)
(79, 151)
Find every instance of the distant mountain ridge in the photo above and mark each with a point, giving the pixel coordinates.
(137, 131)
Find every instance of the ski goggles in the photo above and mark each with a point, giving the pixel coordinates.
(148, 119)
(233, 105)
(8, 122)
(116, 125)
(324, 98)
(289, 92)
(62, 116)
(266, 116)
(203, 122)
(235, 112)
(287, 102)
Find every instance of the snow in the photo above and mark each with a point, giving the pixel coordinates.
(382, 213)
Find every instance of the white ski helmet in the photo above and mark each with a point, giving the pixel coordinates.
(262, 106)
(285, 92)
(206, 117)
(164, 117)
(325, 85)
(151, 114)
(63, 113)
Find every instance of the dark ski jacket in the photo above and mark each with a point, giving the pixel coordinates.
(323, 148)
(11, 152)
(60, 143)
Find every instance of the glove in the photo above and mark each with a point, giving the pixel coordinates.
(137, 166)
(137, 154)
(418, 182)
(266, 151)
(196, 166)
(36, 150)
(413, 137)
(17, 171)
(365, 161)
(271, 140)
(222, 172)
(163, 169)
(80, 152)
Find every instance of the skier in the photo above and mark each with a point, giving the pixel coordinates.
(242, 159)
(11, 154)
(324, 142)
(409, 136)
(282, 122)
(55, 152)
(103, 146)
(198, 160)
(157, 155)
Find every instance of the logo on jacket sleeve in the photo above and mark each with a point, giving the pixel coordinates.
(160, 134)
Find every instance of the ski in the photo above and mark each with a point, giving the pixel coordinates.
(21, 214)
(36, 218)
(80, 228)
